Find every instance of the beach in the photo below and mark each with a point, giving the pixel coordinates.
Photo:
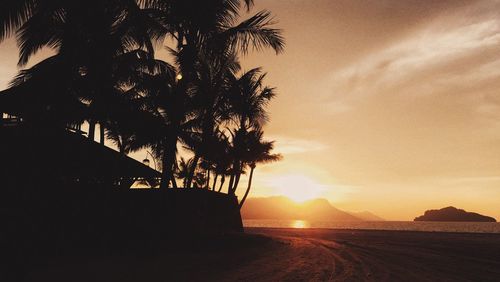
(356, 255)
(265, 254)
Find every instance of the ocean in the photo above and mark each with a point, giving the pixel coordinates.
(462, 227)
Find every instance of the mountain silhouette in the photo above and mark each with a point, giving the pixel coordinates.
(281, 207)
(366, 216)
(453, 214)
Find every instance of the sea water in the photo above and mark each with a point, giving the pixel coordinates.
(465, 227)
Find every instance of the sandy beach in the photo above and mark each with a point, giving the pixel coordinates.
(354, 255)
(286, 255)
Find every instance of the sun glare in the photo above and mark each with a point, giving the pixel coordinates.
(299, 188)
(299, 224)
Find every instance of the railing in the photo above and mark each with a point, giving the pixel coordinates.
(12, 121)
(76, 129)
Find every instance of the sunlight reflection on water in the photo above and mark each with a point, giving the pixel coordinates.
(299, 224)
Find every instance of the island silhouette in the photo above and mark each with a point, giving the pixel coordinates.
(453, 214)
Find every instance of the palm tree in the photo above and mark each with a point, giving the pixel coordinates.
(56, 104)
(96, 41)
(87, 36)
(220, 159)
(145, 101)
(259, 151)
(72, 26)
(182, 172)
(211, 27)
(207, 31)
(199, 180)
(216, 159)
(237, 154)
(209, 102)
(13, 14)
(248, 100)
(169, 116)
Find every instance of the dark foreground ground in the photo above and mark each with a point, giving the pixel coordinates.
(279, 255)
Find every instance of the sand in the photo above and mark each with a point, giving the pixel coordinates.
(285, 255)
(343, 255)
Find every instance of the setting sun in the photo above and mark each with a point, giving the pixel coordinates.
(299, 188)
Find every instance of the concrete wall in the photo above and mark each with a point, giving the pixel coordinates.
(83, 216)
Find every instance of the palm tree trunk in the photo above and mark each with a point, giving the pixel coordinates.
(236, 182)
(121, 147)
(248, 187)
(101, 131)
(222, 180)
(168, 162)
(230, 187)
(215, 181)
(237, 175)
(165, 175)
(208, 179)
(91, 130)
(172, 178)
(191, 170)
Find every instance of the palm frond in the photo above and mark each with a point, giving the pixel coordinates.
(255, 32)
(41, 30)
(13, 14)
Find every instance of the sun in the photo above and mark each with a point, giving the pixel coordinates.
(298, 188)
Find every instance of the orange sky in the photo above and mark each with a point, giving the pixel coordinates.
(386, 106)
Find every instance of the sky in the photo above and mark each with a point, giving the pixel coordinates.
(390, 106)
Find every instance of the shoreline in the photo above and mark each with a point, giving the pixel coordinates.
(409, 226)
(369, 230)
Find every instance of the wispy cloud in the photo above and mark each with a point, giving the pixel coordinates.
(447, 55)
(289, 145)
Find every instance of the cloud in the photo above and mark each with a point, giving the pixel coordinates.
(425, 106)
(288, 145)
(447, 55)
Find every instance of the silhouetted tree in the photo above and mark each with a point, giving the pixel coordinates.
(248, 101)
(220, 159)
(210, 88)
(206, 31)
(54, 104)
(182, 171)
(87, 36)
(106, 74)
(258, 151)
(170, 120)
